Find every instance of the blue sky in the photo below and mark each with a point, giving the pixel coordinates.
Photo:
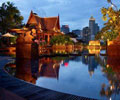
(75, 13)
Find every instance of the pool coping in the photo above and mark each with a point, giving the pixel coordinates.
(30, 91)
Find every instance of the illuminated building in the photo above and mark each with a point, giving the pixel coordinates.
(41, 27)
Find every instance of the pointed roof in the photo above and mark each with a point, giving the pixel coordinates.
(44, 23)
(92, 18)
(23, 30)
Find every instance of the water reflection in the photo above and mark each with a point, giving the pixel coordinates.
(94, 51)
(49, 68)
(77, 75)
(30, 70)
(112, 72)
(24, 71)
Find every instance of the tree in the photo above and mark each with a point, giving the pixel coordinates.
(111, 28)
(9, 17)
(60, 39)
(71, 34)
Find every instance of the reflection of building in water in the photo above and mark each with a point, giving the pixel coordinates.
(72, 58)
(78, 59)
(94, 51)
(92, 65)
(23, 70)
(29, 70)
(112, 72)
(65, 63)
(91, 62)
(85, 59)
(49, 67)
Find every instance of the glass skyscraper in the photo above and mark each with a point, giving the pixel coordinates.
(94, 28)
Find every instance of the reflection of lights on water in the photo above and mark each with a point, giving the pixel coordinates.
(101, 68)
(110, 99)
(85, 56)
(40, 67)
(62, 62)
(60, 51)
(54, 65)
(103, 85)
(94, 51)
(111, 88)
(110, 82)
(66, 64)
(107, 66)
(104, 60)
(91, 73)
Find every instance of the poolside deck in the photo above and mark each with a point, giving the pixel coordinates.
(16, 89)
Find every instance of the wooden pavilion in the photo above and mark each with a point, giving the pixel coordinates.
(43, 28)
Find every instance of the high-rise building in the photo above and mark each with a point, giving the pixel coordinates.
(65, 29)
(92, 25)
(86, 34)
(94, 28)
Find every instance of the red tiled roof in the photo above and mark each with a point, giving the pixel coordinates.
(45, 23)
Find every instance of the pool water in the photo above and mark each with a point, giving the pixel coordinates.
(95, 77)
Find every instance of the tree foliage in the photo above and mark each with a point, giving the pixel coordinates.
(9, 17)
(111, 28)
(71, 34)
(60, 39)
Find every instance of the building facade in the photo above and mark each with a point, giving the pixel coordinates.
(94, 28)
(86, 34)
(43, 28)
(65, 29)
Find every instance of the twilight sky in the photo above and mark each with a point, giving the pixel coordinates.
(75, 13)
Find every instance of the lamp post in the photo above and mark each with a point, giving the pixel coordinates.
(112, 4)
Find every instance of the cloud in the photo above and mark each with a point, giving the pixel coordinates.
(59, 1)
(75, 13)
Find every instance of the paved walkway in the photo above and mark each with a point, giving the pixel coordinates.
(16, 89)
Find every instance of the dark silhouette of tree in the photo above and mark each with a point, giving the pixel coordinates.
(9, 17)
(71, 34)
